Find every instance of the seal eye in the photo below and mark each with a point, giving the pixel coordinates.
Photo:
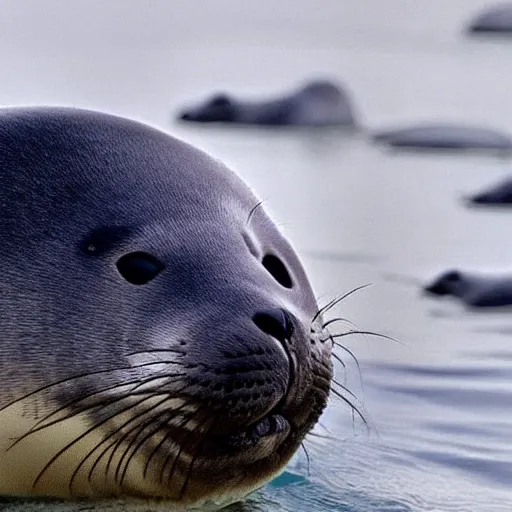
(277, 270)
(139, 267)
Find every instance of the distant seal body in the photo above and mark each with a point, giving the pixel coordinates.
(499, 194)
(319, 103)
(445, 136)
(473, 290)
(159, 335)
(497, 19)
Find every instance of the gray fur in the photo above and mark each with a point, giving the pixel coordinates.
(472, 289)
(79, 191)
(497, 19)
(319, 103)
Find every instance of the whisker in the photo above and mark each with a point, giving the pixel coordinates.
(82, 436)
(101, 455)
(353, 356)
(344, 389)
(105, 401)
(338, 358)
(180, 445)
(336, 301)
(321, 436)
(120, 441)
(158, 376)
(367, 333)
(174, 414)
(98, 460)
(157, 448)
(352, 407)
(171, 413)
(307, 458)
(80, 376)
(339, 319)
(184, 487)
(192, 435)
(251, 213)
(112, 434)
(97, 405)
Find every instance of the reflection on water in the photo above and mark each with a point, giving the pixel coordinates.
(439, 401)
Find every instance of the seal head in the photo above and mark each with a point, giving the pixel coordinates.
(496, 195)
(160, 337)
(316, 103)
(473, 290)
(449, 283)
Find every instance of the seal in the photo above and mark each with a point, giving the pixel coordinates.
(497, 20)
(499, 194)
(444, 136)
(473, 290)
(160, 338)
(318, 103)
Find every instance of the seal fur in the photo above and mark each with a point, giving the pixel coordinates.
(160, 338)
(317, 103)
(472, 289)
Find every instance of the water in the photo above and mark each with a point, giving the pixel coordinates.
(439, 401)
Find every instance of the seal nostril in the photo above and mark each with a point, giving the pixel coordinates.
(275, 322)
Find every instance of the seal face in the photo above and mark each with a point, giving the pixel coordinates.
(159, 335)
(318, 103)
(445, 136)
(474, 290)
(498, 195)
(497, 20)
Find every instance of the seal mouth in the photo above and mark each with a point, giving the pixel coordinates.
(272, 428)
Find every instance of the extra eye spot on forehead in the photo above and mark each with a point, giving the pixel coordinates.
(105, 239)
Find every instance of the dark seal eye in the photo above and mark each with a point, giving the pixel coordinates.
(139, 267)
(277, 269)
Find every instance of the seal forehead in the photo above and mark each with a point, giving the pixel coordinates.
(52, 150)
(69, 167)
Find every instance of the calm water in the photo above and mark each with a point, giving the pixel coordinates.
(439, 402)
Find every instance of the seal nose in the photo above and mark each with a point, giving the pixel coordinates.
(275, 322)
